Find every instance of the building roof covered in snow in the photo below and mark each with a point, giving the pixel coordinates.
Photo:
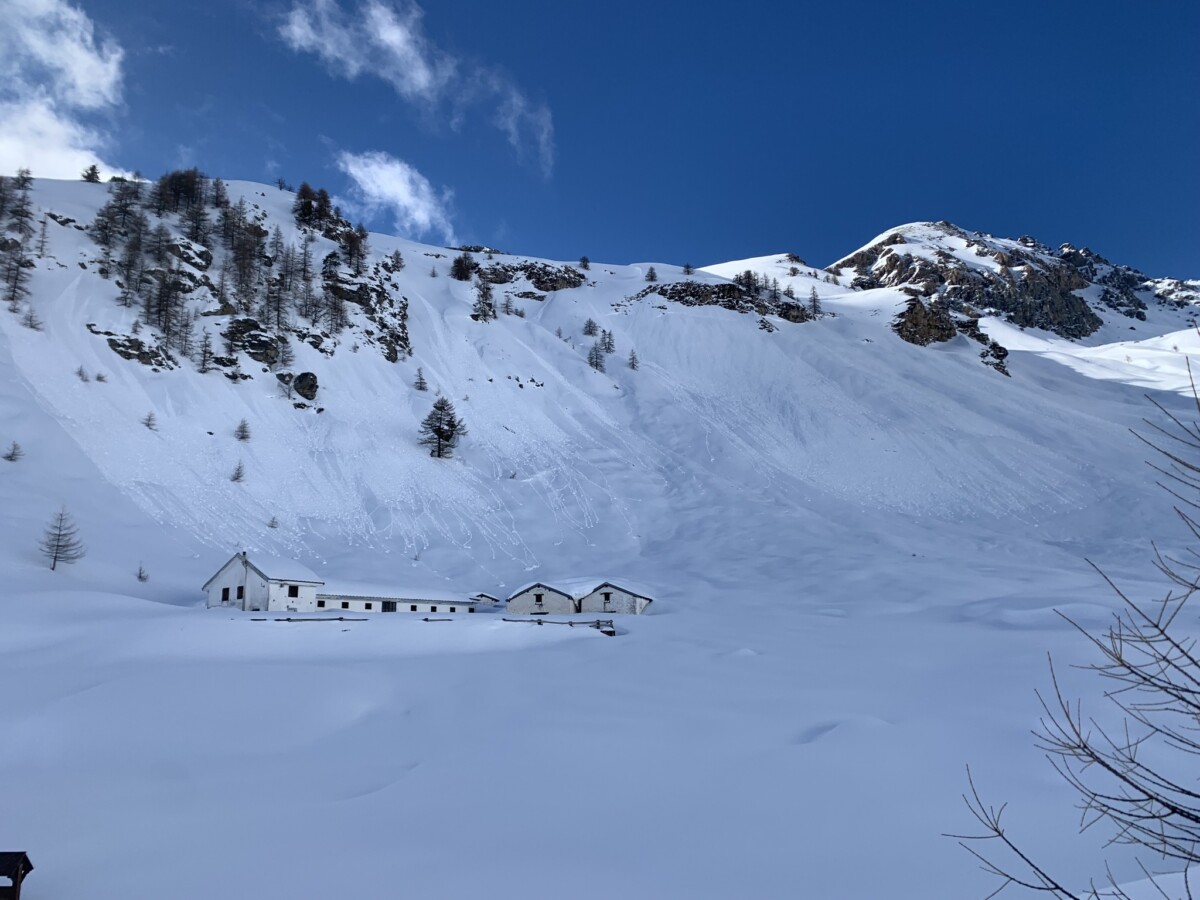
(578, 588)
(273, 568)
(374, 591)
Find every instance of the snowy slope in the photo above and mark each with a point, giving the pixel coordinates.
(855, 546)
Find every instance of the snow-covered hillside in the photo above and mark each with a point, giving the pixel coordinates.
(856, 545)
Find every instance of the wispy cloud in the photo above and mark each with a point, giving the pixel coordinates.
(387, 39)
(383, 183)
(56, 80)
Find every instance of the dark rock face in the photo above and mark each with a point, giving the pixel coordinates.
(695, 293)
(1022, 279)
(194, 255)
(388, 314)
(544, 277)
(305, 385)
(248, 336)
(923, 324)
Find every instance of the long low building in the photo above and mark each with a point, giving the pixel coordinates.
(269, 584)
(578, 595)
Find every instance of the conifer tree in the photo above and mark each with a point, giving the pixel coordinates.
(485, 307)
(590, 328)
(688, 269)
(205, 357)
(60, 542)
(633, 360)
(441, 429)
(421, 384)
(13, 453)
(585, 263)
(242, 432)
(652, 274)
(814, 303)
(463, 267)
(91, 174)
(596, 357)
(239, 473)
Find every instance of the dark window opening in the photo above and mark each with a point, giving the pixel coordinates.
(368, 606)
(470, 609)
(389, 605)
(224, 595)
(345, 605)
(413, 608)
(241, 592)
(433, 609)
(537, 598)
(453, 609)
(320, 604)
(293, 590)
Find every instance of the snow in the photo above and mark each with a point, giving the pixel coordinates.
(856, 549)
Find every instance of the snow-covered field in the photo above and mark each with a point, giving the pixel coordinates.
(857, 548)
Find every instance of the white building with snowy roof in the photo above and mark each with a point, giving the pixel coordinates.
(269, 584)
(578, 595)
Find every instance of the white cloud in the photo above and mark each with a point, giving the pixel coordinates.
(55, 76)
(387, 40)
(384, 183)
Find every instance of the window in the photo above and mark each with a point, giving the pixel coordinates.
(320, 604)
(453, 609)
(224, 595)
(470, 609)
(389, 605)
(345, 605)
(537, 598)
(433, 609)
(413, 608)
(368, 606)
(293, 590)
(241, 592)
(607, 600)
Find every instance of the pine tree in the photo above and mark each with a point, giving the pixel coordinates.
(814, 303)
(485, 307)
(43, 239)
(239, 472)
(30, 320)
(205, 359)
(633, 360)
(688, 269)
(590, 328)
(150, 421)
(81, 374)
(608, 343)
(142, 574)
(651, 274)
(508, 305)
(441, 429)
(585, 263)
(421, 384)
(14, 452)
(60, 542)
(91, 174)
(463, 267)
(596, 357)
(242, 432)
(433, 272)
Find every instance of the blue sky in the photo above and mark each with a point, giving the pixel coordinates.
(665, 131)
